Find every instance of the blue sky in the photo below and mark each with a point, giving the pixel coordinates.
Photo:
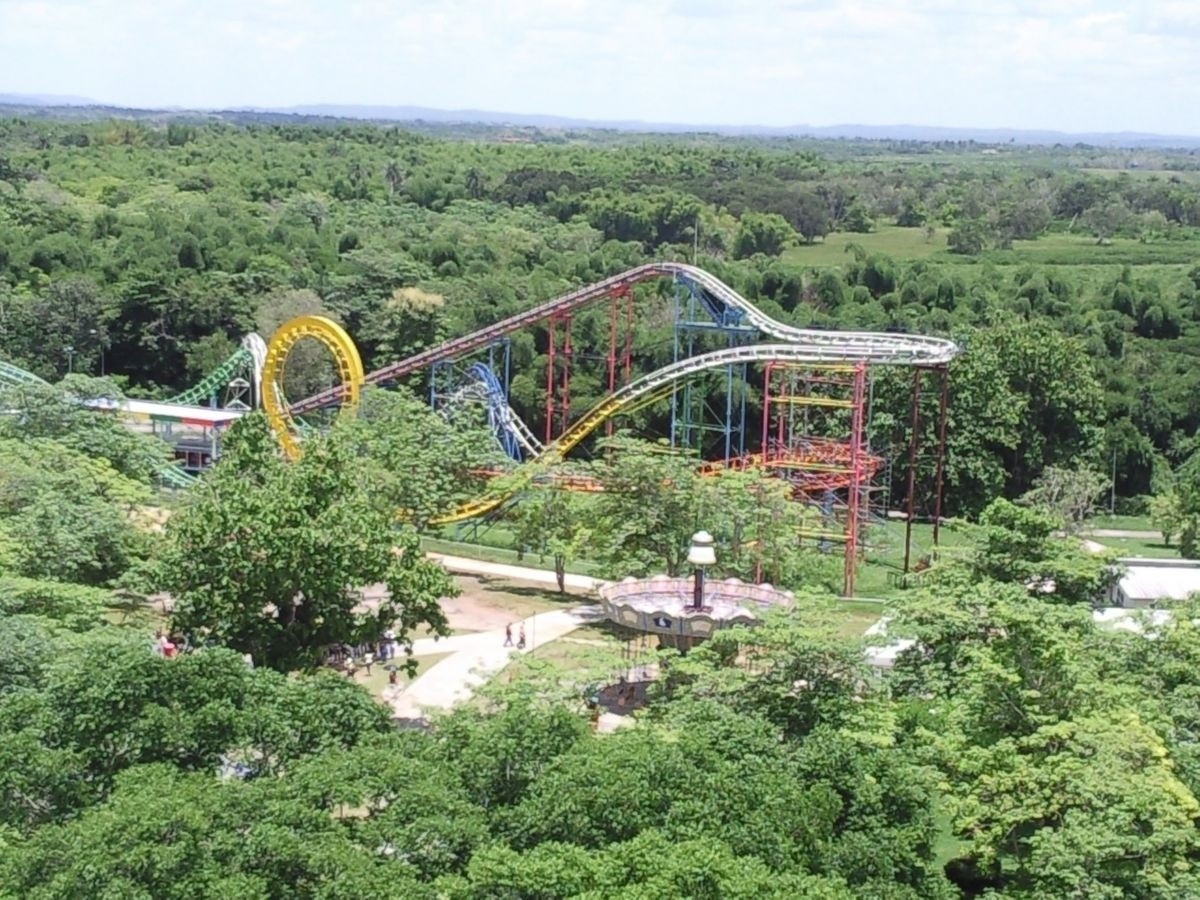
(1072, 65)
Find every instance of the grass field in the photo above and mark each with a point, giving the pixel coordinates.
(1076, 249)
(885, 555)
(1151, 548)
(901, 243)
(1126, 523)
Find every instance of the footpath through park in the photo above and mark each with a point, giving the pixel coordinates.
(475, 658)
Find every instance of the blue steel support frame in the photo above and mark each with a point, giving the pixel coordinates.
(692, 419)
(442, 379)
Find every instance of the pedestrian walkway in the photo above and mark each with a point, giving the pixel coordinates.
(468, 566)
(474, 659)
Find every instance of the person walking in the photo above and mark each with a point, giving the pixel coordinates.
(508, 635)
(521, 637)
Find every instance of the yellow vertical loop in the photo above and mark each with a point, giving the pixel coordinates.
(333, 338)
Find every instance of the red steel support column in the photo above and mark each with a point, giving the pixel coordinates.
(944, 387)
(627, 360)
(914, 421)
(612, 355)
(550, 382)
(565, 399)
(856, 480)
(768, 371)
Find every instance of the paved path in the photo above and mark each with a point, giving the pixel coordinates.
(518, 573)
(1122, 533)
(474, 659)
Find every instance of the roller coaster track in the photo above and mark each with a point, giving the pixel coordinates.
(656, 385)
(511, 432)
(822, 346)
(249, 357)
(180, 408)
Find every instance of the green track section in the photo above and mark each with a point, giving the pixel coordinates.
(168, 472)
(174, 477)
(10, 374)
(214, 381)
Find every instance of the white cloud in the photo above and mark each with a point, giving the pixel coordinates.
(1072, 64)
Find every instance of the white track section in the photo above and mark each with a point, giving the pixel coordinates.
(476, 392)
(834, 346)
(831, 346)
(254, 344)
(524, 436)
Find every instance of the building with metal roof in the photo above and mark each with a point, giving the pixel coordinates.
(1152, 582)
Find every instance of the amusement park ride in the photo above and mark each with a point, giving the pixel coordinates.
(814, 399)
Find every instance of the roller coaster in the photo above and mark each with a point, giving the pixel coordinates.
(702, 304)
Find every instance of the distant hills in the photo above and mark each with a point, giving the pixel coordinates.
(72, 107)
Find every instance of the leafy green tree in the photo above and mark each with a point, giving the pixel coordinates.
(1017, 545)
(1084, 807)
(1168, 515)
(1069, 494)
(765, 233)
(72, 415)
(551, 520)
(269, 558)
(173, 835)
(415, 462)
(409, 321)
(759, 526)
(1183, 512)
(498, 756)
(651, 505)
(967, 237)
(85, 542)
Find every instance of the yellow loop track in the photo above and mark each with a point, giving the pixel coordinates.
(345, 356)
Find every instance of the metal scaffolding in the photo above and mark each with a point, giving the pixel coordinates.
(813, 430)
(704, 322)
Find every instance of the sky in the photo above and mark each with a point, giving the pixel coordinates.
(1067, 65)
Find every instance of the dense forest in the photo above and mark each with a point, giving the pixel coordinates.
(1069, 273)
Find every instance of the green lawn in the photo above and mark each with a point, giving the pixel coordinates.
(1139, 547)
(901, 243)
(1126, 523)
(1077, 248)
(858, 616)
(885, 554)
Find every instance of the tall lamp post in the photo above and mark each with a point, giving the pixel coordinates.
(100, 339)
(701, 555)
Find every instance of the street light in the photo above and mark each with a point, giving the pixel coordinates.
(701, 555)
(92, 332)
(70, 351)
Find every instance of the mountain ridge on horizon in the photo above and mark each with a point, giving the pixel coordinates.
(406, 113)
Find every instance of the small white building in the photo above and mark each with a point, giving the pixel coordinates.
(1150, 582)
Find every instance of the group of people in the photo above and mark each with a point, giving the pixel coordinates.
(349, 658)
(508, 639)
